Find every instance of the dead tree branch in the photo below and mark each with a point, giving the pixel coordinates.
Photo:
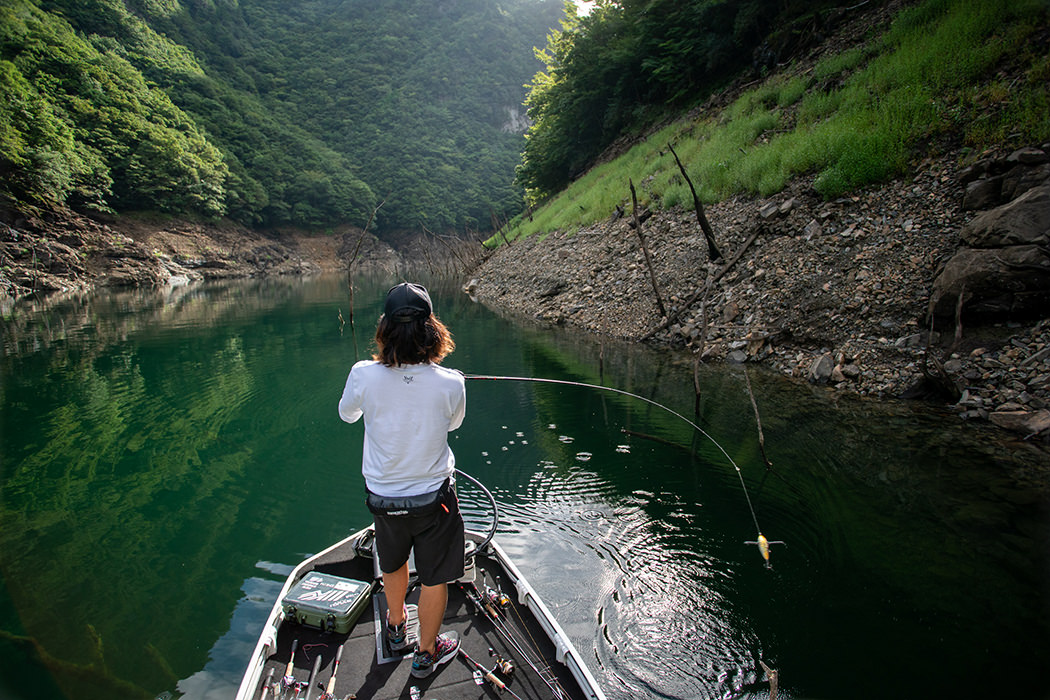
(701, 217)
(353, 260)
(774, 677)
(455, 253)
(938, 378)
(758, 420)
(703, 339)
(958, 317)
(645, 250)
(689, 302)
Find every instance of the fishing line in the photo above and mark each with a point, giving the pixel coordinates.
(489, 607)
(566, 382)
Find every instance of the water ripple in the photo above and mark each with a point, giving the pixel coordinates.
(644, 596)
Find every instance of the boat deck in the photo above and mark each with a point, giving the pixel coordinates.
(368, 669)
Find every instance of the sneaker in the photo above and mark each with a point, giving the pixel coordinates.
(397, 635)
(445, 647)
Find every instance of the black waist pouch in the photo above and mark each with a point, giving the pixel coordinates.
(423, 504)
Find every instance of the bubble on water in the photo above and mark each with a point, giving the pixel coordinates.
(520, 434)
(625, 449)
(484, 453)
(552, 426)
(504, 448)
(583, 456)
(566, 439)
(524, 442)
(547, 464)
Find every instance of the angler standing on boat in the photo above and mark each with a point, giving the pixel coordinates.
(410, 404)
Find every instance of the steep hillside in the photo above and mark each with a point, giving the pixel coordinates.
(935, 283)
(311, 114)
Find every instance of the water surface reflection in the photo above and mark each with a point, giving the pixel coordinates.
(168, 455)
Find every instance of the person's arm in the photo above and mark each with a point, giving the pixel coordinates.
(350, 402)
(460, 410)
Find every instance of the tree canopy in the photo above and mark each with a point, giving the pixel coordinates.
(314, 112)
(307, 113)
(630, 62)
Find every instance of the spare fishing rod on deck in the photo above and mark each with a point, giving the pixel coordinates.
(761, 540)
(288, 679)
(328, 693)
(268, 686)
(490, 604)
(493, 601)
(483, 675)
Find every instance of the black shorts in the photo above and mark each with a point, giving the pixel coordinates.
(437, 538)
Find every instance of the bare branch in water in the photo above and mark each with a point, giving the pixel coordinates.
(774, 679)
(758, 419)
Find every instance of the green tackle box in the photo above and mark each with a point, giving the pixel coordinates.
(325, 602)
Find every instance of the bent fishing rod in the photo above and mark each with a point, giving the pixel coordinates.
(565, 382)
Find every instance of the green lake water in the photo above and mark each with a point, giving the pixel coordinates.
(168, 456)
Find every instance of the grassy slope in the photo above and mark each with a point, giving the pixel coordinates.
(969, 71)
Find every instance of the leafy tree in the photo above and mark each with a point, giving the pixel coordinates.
(81, 125)
(630, 61)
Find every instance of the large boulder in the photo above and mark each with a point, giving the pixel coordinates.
(997, 180)
(1003, 267)
(996, 283)
(1024, 221)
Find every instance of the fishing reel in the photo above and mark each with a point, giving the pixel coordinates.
(287, 683)
(496, 597)
(501, 664)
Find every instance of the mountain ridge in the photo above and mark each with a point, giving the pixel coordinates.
(223, 109)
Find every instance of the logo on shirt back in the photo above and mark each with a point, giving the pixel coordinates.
(408, 379)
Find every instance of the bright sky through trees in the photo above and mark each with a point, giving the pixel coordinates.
(583, 7)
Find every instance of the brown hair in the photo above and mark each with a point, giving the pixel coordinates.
(412, 343)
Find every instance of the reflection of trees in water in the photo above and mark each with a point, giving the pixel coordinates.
(122, 451)
(118, 490)
(136, 425)
(109, 315)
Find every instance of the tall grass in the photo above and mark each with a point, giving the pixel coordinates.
(854, 120)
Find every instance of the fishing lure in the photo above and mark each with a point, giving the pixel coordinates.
(763, 547)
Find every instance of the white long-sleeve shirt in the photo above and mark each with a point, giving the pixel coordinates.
(409, 411)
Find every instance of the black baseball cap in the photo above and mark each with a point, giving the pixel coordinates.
(407, 302)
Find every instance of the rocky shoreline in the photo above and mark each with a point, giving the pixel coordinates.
(836, 293)
(45, 251)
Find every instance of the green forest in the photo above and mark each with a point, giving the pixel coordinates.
(412, 113)
(270, 112)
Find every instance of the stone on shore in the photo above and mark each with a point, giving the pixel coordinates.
(1024, 422)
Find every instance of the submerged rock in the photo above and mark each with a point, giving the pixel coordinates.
(1024, 422)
